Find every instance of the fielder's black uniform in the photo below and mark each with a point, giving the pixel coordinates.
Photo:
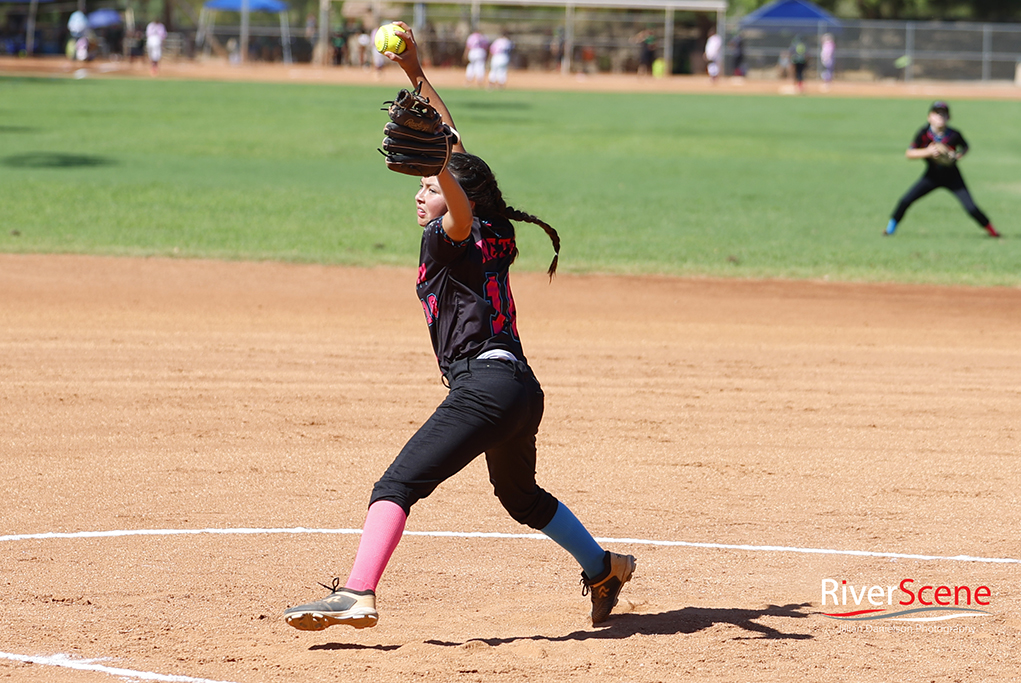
(495, 403)
(937, 175)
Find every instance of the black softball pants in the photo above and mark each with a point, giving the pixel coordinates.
(953, 182)
(494, 407)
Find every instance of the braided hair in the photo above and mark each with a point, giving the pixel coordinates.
(479, 184)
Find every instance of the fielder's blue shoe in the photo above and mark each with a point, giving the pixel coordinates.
(890, 227)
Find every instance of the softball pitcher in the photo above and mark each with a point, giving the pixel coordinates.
(494, 405)
(941, 146)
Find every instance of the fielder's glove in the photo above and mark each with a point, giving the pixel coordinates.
(417, 141)
(945, 156)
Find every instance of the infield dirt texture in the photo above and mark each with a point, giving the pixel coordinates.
(162, 395)
(810, 423)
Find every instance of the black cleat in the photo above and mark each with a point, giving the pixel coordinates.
(605, 588)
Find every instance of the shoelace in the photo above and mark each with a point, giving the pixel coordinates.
(334, 588)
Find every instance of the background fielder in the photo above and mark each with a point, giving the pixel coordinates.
(941, 146)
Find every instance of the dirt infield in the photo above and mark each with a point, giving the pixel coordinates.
(769, 425)
(445, 79)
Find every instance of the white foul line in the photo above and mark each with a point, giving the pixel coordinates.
(485, 534)
(67, 662)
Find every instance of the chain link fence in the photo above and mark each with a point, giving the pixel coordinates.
(609, 37)
(875, 50)
(605, 39)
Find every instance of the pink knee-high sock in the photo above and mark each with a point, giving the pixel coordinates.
(384, 526)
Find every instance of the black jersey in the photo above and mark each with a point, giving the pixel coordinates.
(951, 137)
(465, 291)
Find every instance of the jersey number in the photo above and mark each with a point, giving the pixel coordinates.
(500, 298)
(431, 307)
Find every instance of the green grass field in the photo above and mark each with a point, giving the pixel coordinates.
(736, 186)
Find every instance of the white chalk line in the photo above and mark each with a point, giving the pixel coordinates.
(67, 662)
(485, 534)
(91, 665)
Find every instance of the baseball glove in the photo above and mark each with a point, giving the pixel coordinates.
(417, 141)
(945, 155)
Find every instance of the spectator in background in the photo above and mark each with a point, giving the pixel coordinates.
(155, 34)
(556, 49)
(499, 61)
(339, 44)
(738, 44)
(588, 60)
(827, 59)
(646, 41)
(476, 49)
(115, 41)
(783, 64)
(77, 26)
(82, 48)
(713, 54)
(799, 60)
(135, 46)
(233, 52)
(364, 41)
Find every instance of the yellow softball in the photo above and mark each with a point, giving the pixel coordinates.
(388, 41)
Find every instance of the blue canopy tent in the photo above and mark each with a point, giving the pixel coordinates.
(244, 7)
(102, 18)
(33, 9)
(790, 15)
(272, 6)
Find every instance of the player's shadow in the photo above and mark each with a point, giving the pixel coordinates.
(354, 646)
(55, 160)
(681, 621)
(42, 80)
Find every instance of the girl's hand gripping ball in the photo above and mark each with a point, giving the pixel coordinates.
(388, 41)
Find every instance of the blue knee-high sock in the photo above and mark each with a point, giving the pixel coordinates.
(572, 536)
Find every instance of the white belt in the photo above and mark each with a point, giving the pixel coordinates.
(498, 354)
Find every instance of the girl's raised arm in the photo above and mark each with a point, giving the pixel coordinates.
(412, 66)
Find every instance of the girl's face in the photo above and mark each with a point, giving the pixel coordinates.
(429, 201)
(937, 120)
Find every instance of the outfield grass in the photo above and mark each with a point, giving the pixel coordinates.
(742, 186)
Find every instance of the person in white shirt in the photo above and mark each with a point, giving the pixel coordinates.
(78, 26)
(713, 53)
(827, 55)
(499, 60)
(476, 49)
(155, 34)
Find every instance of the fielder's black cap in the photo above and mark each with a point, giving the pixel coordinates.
(941, 107)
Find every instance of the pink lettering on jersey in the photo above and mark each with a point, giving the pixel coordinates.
(495, 248)
(421, 274)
